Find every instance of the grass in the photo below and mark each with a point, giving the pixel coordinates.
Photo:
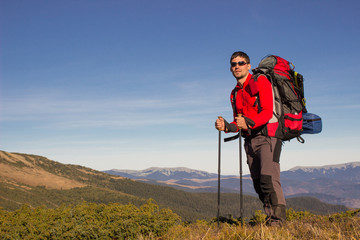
(149, 222)
(338, 226)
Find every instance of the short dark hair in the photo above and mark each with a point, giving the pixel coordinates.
(240, 54)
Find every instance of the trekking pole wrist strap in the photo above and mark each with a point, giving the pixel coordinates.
(230, 127)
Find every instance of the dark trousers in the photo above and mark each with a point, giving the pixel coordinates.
(263, 156)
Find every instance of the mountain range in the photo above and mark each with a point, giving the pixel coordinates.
(334, 184)
(38, 181)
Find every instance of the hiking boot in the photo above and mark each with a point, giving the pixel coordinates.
(272, 222)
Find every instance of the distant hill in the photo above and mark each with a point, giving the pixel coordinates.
(164, 174)
(343, 172)
(36, 180)
(334, 184)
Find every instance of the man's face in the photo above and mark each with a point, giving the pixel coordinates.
(238, 71)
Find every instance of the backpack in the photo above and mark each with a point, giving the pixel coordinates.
(289, 110)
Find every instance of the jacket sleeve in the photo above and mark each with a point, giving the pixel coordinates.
(265, 101)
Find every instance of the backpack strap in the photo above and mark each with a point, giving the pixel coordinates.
(233, 102)
(255, 90)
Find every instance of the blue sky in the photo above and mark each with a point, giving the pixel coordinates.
(137, 84)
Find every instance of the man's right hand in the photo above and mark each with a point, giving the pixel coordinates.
(220, 124)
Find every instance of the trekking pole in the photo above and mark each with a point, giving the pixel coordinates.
(219, 171)
(240, 171)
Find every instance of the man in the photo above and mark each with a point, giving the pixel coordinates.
(253, 108)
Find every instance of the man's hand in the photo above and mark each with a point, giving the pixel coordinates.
(240, 122)
(220, 124)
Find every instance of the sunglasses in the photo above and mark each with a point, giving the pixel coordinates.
(242, 63)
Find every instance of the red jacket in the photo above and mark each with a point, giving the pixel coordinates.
(246, 100)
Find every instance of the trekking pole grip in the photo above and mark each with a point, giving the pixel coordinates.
(220, 117)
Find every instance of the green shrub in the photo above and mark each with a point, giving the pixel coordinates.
(291, 214)
(87, 221)
(257, 218)
(341, 216)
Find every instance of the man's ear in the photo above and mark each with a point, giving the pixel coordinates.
(249, 66)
